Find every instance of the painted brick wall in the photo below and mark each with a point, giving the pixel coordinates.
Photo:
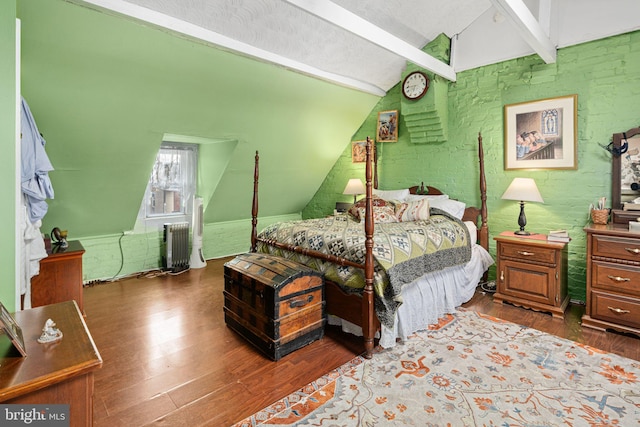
(605, 75)
(116, 256)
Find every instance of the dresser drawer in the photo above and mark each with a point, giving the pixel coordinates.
(615, 309)
(526, 253)
(616, 277)
(616, 247)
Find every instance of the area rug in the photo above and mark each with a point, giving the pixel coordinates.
(469, 370)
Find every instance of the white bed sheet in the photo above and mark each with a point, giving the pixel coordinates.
(430, 297)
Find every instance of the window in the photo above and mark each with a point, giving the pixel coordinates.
(172, 184)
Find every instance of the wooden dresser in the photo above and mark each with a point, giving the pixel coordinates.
(53, 373)
(532, 273)
(613, 278)
(60, 277)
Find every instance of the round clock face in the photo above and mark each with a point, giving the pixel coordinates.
(415, 85)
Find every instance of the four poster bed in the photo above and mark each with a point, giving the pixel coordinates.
(418, 257)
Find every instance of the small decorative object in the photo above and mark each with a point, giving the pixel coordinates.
(541, 134)
(60, 237)
(11, 328)
(524, 190)
(415, 85)
(388, 126)
(50, 333)
(600, 216)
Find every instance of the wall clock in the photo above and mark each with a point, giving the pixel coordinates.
(415, 85)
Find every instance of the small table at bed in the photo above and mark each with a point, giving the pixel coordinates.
(54, 373)
(532, 272)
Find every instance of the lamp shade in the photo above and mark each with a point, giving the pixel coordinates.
(354, 187)
(524, 190)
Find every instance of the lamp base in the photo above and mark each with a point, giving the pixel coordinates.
(522, 233)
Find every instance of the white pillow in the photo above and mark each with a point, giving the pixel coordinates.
(451, 206)
(414, 197)
(391, 194)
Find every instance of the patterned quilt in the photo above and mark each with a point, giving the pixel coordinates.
(402, 251)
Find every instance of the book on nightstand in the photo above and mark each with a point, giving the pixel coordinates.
(558, 236)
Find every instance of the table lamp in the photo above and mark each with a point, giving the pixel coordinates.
(523, 190)
(355, 187)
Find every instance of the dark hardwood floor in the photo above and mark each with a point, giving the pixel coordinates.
(169, 359)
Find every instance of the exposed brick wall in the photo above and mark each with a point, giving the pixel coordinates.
(605, 75)
(115, 256)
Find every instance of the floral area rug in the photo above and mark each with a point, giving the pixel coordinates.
(470, 370)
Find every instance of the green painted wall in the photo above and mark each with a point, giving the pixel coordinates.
(8, 273)
(605, 75)
(104, 89)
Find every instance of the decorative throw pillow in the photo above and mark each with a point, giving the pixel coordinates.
(383, 210)
(413, 211)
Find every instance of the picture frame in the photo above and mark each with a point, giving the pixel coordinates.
(387, 130)
(358, 151)
(541, 134)
(11, 328)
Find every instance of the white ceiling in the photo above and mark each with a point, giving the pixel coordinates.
(366, 44)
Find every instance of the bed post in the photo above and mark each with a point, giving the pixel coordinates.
(368, 315)
(254, 207)
(484, 229)
(375, 165)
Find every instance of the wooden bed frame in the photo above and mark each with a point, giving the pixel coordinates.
(359, 308)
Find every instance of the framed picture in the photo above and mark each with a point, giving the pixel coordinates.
(11, 328)
(541, 134)
(387, 126)
(358, 151)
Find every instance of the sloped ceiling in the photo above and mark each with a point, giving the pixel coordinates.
(106, 79)
(335, 39)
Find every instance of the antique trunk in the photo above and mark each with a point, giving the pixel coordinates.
(275, 303)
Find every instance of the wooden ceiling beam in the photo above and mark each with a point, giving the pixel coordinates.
(179, 26)
(351, 22)
(528, 26)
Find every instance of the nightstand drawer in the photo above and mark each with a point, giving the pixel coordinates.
(616, 309)
(523, 252)
(616, 277)
(615, 247)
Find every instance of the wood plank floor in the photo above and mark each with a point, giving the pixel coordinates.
(169, 359)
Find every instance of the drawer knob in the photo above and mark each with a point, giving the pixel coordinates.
(634, 251)
(618, 310)
(525, 253)
(619, 279)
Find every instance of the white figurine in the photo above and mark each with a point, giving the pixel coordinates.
(50, 333)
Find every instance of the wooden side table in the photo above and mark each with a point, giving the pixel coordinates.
(613, 278)
(532, 273)
(53, 373)
(60, 277)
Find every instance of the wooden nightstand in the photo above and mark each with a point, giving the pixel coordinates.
(532, 273)
(60, 277)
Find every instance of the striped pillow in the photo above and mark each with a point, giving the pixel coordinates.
(413, 211)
